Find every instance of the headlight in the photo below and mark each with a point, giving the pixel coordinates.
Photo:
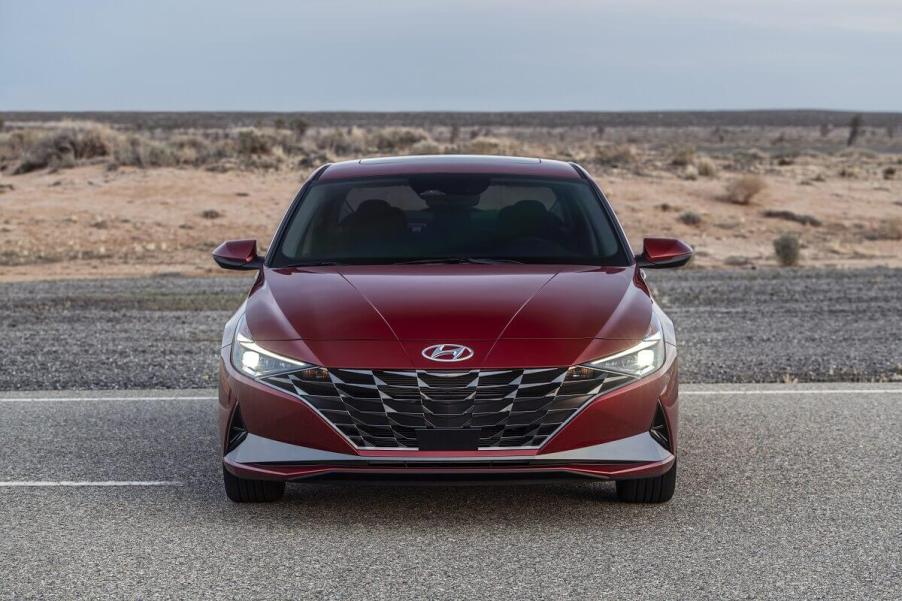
(639, 360)
(254, 360)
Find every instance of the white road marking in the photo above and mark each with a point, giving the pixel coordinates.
(105, 398)
(683, 391)
(805, 391)
(83, 483)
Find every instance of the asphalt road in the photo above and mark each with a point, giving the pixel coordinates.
(733, 326)
(783, 492)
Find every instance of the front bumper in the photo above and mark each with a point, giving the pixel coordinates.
(636, 456)
(608, 438)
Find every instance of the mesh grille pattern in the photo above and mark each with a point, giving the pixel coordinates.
(385, 408)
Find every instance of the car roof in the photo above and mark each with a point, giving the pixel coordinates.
(450, 163)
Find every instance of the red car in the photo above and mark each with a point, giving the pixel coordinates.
(449, 316)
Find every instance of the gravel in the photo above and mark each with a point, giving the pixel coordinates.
(733, 326)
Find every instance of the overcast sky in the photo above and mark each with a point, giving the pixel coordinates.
(450, 55)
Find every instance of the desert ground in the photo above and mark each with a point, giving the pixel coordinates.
(117, 196)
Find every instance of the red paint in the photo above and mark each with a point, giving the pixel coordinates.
(664, 252)
(449, 303)
(236, 252)
(510, 315)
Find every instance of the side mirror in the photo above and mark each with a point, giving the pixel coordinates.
(659, 253)
(238, 254)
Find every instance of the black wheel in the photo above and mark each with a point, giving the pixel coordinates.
(242, 490)
(648, 490)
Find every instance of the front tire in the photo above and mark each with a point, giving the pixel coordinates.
(242, 490)
(648, 490)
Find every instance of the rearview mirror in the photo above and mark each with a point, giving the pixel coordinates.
(238, 254)
(658, 253)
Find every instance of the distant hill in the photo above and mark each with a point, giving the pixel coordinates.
(213, 119)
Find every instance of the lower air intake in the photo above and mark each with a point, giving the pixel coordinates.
(237, 431)
(659, 429)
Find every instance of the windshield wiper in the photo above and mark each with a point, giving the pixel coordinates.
(475, 260)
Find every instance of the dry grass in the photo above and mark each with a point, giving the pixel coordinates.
(76, 143)
(489, 145)
(706, 167)
(744, 189)
(683, 157)
(616, 155)
(888, 229)
(63, 147)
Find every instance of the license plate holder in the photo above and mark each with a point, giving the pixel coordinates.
(448, 439)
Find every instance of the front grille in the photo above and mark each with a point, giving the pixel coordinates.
(385, 408)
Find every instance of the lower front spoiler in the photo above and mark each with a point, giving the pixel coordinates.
(633, 457)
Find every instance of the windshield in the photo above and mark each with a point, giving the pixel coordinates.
(424, 218)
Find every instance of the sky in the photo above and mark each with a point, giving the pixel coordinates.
(384, 55)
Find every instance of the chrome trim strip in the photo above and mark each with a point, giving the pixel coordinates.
(257, 449)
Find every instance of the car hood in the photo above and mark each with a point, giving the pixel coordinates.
(477, 305)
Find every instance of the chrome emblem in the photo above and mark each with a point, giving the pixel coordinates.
(448, 352)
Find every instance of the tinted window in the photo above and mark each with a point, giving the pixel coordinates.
(448, 217)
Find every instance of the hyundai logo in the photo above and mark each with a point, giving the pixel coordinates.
(448, 352)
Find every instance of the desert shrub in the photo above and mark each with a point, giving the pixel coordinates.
(889, 172)
(690, 218)
(64, 146)
(299, 126)
(616, 155)
(10, 147)
(139, 151)
(744, 188)
(195, 150)
(210, 214)
(314, 158)
(854, 129)
(487, 145)
(706, 167)
(737, 261)
(690, 173)
(786, 159)
(748, 158)
(426, 147)
(888, 229)
(683, 157)
(254, 141)
(392, 139)
(787, 249)
(340, 142)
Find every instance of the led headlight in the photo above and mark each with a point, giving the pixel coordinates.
(256, 361)
(639, 360)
